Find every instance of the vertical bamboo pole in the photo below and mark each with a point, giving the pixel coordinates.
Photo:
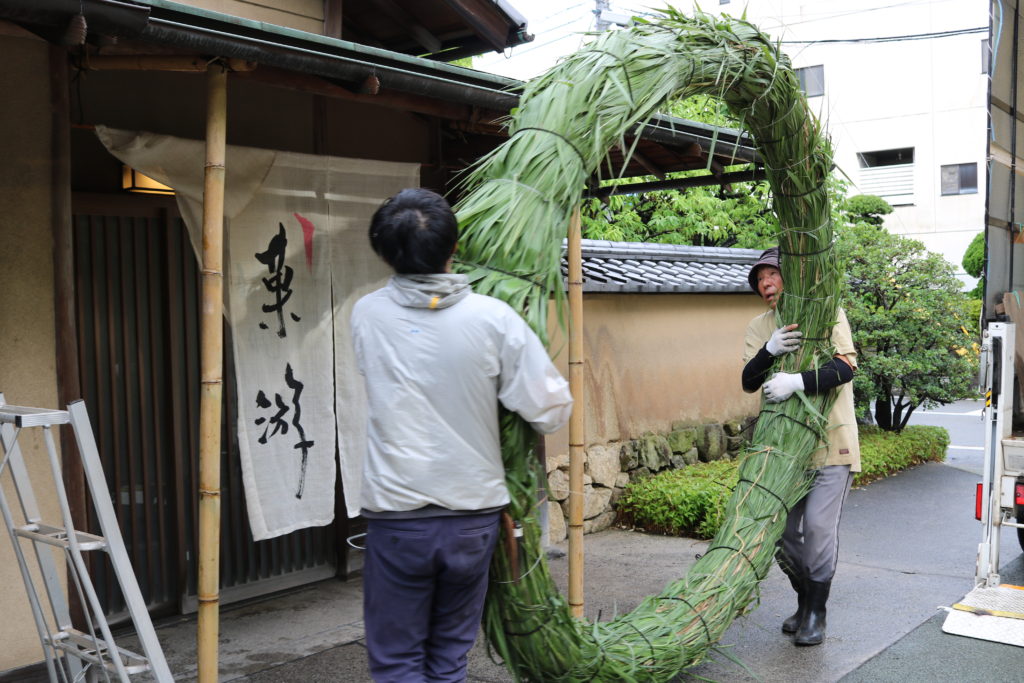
(576, 437)
(211, 362)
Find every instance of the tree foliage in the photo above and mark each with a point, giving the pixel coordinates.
(865, 208)
(974, 264)
(739, 215)
(910, 325)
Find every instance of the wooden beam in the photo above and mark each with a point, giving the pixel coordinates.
(680, 183)
(69, 387)
(332, 18)
(644, 162)
(484, 20)
(315, 85)
(428, 40)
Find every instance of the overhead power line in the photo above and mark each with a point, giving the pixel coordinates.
(893, 39)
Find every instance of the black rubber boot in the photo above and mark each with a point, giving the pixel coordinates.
(793, 623)
(812, 628)
(797, 581)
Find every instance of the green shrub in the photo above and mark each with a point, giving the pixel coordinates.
(690, 501)
(882, 453)
(685, 502)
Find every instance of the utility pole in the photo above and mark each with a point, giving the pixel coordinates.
(601, 7)
(606, 18)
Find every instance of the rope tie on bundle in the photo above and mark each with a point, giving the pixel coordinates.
(707, 631)
(768, 491)
(739, 552)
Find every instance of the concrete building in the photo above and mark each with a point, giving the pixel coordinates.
(902, 88)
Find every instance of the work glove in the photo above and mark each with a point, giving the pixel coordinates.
(782, 385)
(784, 341)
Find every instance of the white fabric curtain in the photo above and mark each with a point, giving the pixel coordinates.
(298, 258)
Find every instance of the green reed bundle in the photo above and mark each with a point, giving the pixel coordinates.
(518, 203)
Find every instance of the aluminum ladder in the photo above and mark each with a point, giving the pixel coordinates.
(72, 655)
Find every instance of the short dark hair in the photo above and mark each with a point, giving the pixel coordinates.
(415, 232)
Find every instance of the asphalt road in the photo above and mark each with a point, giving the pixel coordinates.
(964, 422)
(908, 547)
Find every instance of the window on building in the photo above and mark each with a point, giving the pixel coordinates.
(886, 157)
(888, 173)
(812, 80)
(985, 55)
(959, 179)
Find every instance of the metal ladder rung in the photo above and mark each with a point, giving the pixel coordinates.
(22, 416)
(70, 652)
(57, 536)
(83, 646)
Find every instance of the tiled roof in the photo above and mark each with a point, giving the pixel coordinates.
(663, 268)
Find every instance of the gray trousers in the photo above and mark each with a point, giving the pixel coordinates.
(811, 540)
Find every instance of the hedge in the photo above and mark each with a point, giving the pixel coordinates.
(690, 501)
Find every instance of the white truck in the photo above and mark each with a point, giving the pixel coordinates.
(1000, 498)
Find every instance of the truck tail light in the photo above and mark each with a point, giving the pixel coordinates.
(977, 502)
(1018, 494)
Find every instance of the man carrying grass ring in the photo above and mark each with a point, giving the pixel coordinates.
(809, 548)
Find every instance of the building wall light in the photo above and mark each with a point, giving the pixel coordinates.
(133, 181)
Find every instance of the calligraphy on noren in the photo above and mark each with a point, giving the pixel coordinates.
(278, 424)
(279, 282)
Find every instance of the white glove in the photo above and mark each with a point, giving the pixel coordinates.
(782, 385)
(784, 340)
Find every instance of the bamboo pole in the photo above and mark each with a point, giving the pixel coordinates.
(576, 436)
(211, 367)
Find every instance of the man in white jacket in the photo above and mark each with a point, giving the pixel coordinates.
(437, 360)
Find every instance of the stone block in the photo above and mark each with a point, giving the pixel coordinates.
(557, 462)
(678, 462)
(656, 453)
(558, 485)
(616, 495)
(603, 464)
(639, 473)
(557, 529)
(595, 500)
(599, 523)
(682, 440)
(622, 480)
(734, 444)
(714, 443)
(700, 439)
(732, 427)
(629, 458)
(691, 457)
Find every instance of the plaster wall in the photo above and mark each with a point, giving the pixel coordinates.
(27, 343)
(654, 359)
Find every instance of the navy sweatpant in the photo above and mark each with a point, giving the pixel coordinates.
(424, 584)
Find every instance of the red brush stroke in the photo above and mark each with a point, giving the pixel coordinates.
(307, 237)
